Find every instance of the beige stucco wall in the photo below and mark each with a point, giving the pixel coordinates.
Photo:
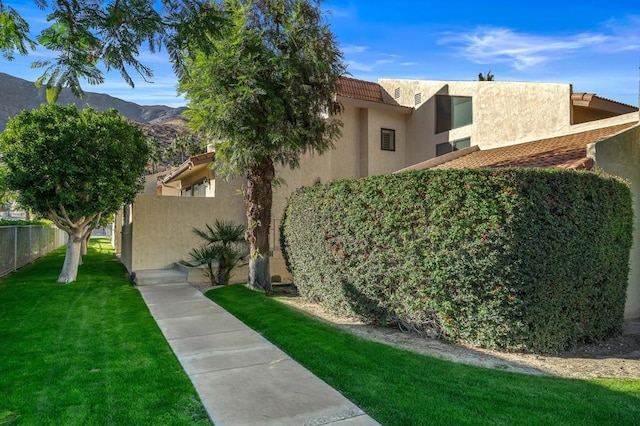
(380, 161)
(161, 231)
(620, 156)
(503, 112)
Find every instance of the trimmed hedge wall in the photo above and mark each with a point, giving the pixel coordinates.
(516, 259)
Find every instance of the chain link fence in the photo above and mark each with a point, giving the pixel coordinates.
(20, 245)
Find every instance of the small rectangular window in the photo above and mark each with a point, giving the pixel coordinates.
(388, 139)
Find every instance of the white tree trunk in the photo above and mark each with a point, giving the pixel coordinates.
(72, 259)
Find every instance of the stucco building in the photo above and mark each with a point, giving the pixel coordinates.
(395, 125)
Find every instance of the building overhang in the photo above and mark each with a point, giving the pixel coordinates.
(361, 103)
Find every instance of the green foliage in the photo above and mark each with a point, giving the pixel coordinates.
(91, 36)
(72, 164)
(266, 90)
(487, 77)
(263, 90)
(185, 145)
(14, 35)
(223, 249)
(4, 222)
(520, 259)
(6, 195)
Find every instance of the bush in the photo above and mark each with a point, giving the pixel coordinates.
(517, 259)
(222, 250)
(7, 222)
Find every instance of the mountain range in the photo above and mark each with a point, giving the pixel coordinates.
(18, 94)
(161, 122)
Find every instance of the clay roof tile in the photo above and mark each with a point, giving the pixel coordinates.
(567, 151)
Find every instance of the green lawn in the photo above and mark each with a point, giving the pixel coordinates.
(86, 353)
(397, 387)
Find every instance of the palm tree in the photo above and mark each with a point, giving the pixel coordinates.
(224, 247)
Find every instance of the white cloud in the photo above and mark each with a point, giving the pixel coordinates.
(350, 49)
(359, 66)
(488, 45)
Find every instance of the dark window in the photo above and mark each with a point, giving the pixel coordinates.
(447, 147)
(453, 112)
(388, 139)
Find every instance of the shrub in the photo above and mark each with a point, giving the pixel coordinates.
(20, 222)
(517, 259)
(223, 249)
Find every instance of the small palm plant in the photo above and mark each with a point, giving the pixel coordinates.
(224, 247)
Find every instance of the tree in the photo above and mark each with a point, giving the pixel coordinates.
(183, 146)
(88, 36)
(224, 247)
(267, 95)
(6, 195)
(73, 167)
(155, 153)
(488, 77)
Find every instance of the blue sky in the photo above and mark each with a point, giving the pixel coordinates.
(594, 45)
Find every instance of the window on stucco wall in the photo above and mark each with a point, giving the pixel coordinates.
(388, 139)
(447, 147)
(453, 112)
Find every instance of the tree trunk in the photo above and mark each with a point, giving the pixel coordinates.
(85, 245)
(258, 198)
(72, 259)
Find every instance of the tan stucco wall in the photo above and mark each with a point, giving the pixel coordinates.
(503, 112)
(620, 156)
(161, 233)
(380, 161)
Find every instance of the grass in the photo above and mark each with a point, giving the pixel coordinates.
(88, 352)
(398, 387)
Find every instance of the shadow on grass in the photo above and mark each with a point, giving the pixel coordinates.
(398, 387)
(87, 352)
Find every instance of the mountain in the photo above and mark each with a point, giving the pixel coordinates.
(162, 123)
(18, 94)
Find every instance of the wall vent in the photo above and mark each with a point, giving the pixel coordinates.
(417, 99)
(396, 93)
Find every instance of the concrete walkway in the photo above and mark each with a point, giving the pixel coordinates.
(242, 379)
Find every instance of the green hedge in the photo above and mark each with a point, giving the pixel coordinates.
(516, 259)
(7, 222)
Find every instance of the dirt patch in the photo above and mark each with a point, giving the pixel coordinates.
(618, 357)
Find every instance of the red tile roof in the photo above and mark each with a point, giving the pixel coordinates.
(562, 151)
(588, 97)
(360, 89)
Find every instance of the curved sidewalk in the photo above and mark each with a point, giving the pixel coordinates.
(242, 379)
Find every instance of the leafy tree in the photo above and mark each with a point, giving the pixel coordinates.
(224, 247)
(266, 92)
(73, 167)
(90, 35)
(183, 146)
(155, 153)
(6, 195)
(14, 34)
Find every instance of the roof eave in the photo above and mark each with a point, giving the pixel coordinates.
(361, 103)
